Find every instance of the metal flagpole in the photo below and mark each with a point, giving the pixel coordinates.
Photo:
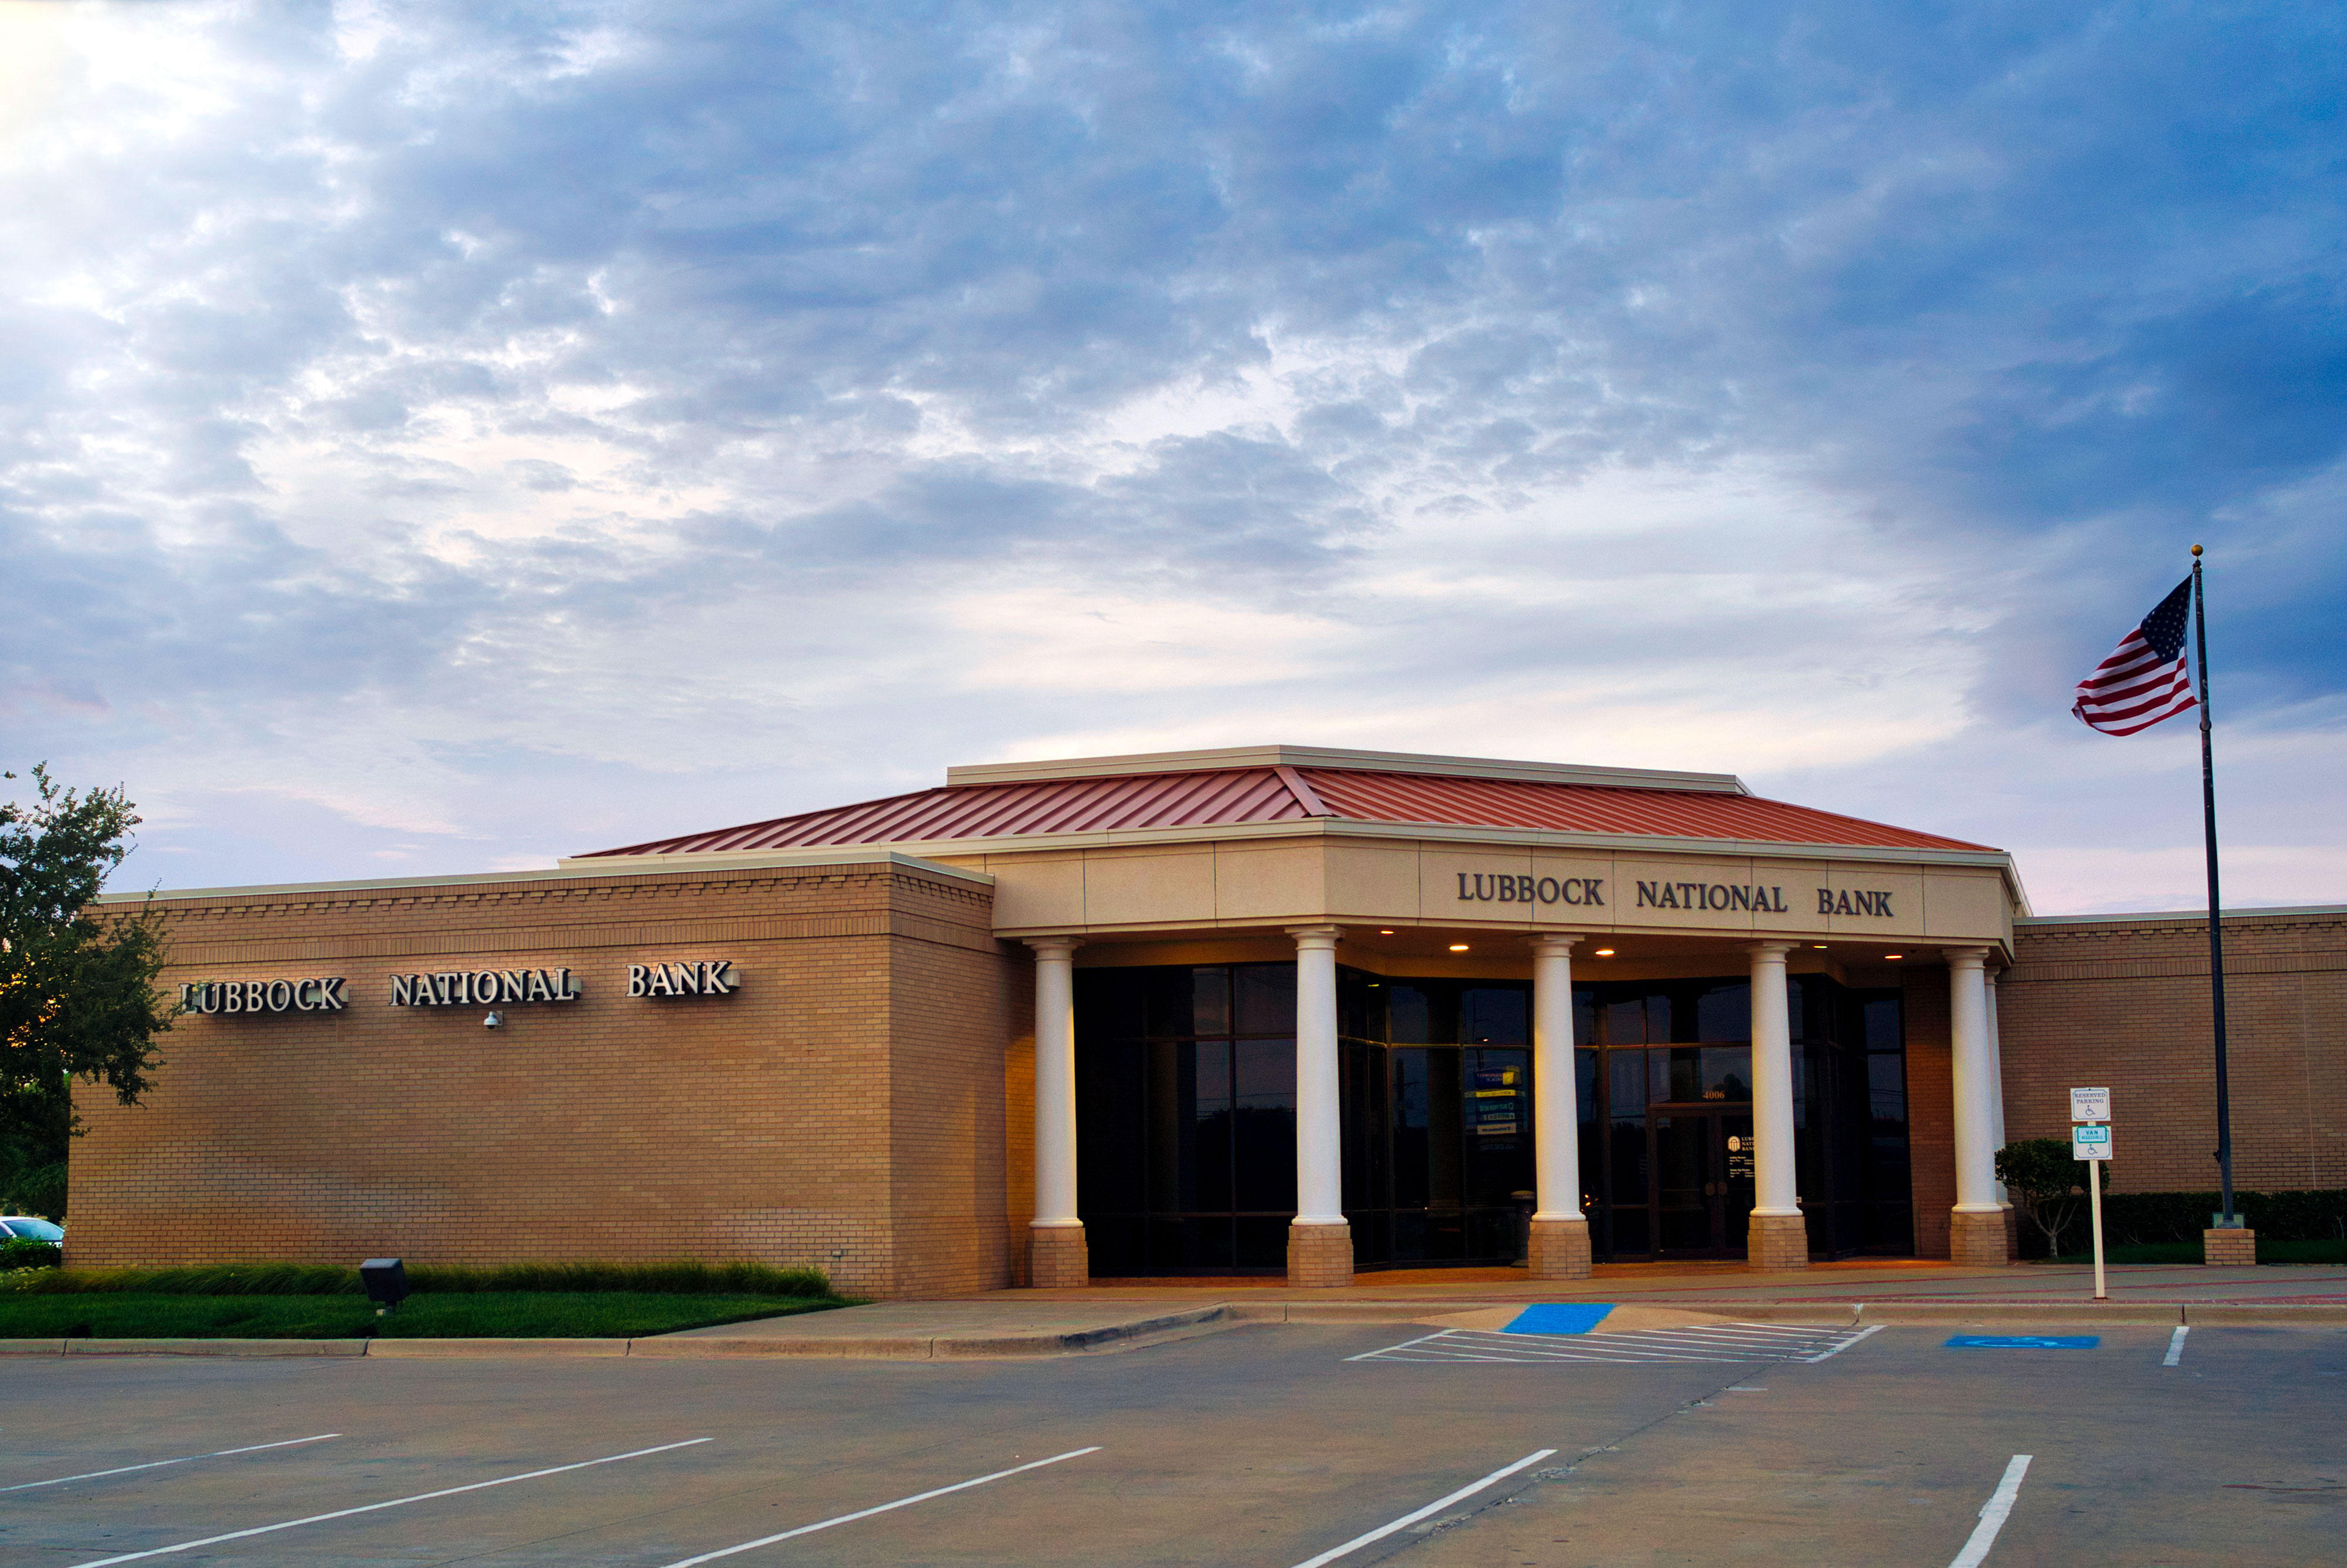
(2215, 919)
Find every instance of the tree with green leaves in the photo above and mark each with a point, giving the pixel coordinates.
(2047, 1185)
(77, 996)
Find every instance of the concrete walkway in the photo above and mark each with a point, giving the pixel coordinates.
(1881, 1280)
(1126, 1315)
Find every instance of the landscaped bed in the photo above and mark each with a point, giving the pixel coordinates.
(296, 1301)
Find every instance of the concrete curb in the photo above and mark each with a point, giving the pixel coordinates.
(447, 1349)
(215, 1347)
(947, 1347)
(2165, 1315)
(2251, 1314)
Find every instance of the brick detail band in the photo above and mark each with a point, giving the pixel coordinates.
(2225, 1248)
(1977, 1239)
(1560, 1249)
(1778, 1241)
(1319, 1256)
(1056, 1257)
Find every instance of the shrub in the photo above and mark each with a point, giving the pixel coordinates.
(2048, 1187)
(23, 1254)
(2303, 1215)
(681, 1277)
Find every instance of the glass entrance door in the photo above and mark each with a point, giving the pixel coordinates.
(1703, 1187)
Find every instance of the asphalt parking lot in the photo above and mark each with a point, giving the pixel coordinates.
(1266, 1445)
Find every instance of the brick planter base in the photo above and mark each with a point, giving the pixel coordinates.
(1978, 1238)
(1319, 1256)
(2222, 1247)
(1560, 1249)
(1778, 1241)
(1056, 1257)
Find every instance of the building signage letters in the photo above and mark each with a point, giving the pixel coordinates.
(1709, 896)
(1874, 901)
(714, 978)
(317, 994)
(483, 987)
(1587, 891)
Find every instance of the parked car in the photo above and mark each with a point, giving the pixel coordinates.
(28, 1227)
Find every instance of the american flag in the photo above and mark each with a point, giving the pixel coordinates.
(2143, 680)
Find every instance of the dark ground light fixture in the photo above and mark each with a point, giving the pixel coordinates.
(386, 1280)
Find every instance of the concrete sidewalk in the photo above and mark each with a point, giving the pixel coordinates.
(1128, 1314)
(1721, 1284)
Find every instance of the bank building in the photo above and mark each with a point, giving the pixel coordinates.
(1252, 1010)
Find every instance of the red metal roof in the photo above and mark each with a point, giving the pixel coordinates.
(1229, 796)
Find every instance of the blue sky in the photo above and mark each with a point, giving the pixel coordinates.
(442, 439)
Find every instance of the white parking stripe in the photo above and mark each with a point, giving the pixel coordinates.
(1403, 1346)
(1406, 1520)
(1862, 1334)
(160, 1463)
(1725, 1344)
(882, 1508)
(2175, 1347)
(371, 1507)
(1992, 1515)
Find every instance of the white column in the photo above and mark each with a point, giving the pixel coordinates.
(1320, 1114)
(1055, 1082)
(1975, 1078)
(1776, 1193)
(1556, 1109)
(1996, 1084)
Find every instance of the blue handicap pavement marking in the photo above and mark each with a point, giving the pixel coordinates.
(1559, 1317)
(2024, 1341)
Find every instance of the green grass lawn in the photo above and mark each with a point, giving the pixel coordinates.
(2285, 1252)
(502, 1314)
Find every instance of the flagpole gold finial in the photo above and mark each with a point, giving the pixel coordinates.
(2195, 552)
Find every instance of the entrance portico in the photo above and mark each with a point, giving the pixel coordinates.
(1490, 1008)
(1655, 1142)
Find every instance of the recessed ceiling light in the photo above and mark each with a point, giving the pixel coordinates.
(1605, 952)
(1458, 947)
(1894, 955)
(1820, 947)
(1385, 933)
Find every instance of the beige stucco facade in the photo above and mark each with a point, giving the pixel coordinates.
(1212, 880)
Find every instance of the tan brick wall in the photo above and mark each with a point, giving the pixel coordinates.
(842, 1109)
(1018, 1103)
(1930, 1106)
(2125, 1002)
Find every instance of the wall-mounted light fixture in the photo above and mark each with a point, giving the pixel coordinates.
(494, 1020)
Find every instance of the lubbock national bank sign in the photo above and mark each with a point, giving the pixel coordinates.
(1589, 893)
(1269, 1008)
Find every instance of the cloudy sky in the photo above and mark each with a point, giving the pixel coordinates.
(442, 439)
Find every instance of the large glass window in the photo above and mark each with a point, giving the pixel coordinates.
(1437, 1151)
(1186, 1115)
(1672, 1048)
(1185, 1081)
